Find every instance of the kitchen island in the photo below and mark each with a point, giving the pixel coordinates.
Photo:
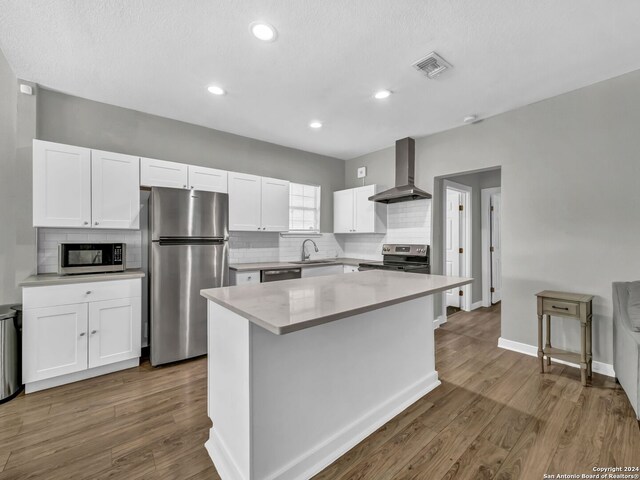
(300, 371)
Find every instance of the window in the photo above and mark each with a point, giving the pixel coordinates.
(304, 208)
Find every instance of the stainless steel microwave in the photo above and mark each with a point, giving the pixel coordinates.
(74, 258)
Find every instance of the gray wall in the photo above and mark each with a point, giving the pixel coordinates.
(76, 121)
(570, 193)
(17, 237)
(477, 181)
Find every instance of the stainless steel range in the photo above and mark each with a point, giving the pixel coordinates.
(401, 257)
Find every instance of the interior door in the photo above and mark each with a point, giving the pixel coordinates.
(245, 202)
(115, 190)
(61, 185)
(57, 339)
(452, 242)
(114, 331)
(343, 211)
(178, 272)
(275, 205)
(496, 251)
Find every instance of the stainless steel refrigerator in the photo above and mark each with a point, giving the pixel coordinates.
(188, 252)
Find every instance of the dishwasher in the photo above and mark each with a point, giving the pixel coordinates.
(276, 275)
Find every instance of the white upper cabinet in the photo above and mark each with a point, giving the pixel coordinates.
(208, 179)
(353, 212)
(258, 203)
(343, 211)
(245, 202)
(160, 173)
(79, 187)
(61, 185)
(115, 190)
(275, 205)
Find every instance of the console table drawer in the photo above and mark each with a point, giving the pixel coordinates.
(560, 307)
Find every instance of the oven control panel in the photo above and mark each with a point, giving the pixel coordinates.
(407, 250)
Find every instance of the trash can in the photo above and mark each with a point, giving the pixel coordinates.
(10, 354)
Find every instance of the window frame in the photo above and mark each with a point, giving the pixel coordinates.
(317, 208)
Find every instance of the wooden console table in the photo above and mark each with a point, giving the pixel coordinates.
(572, 305)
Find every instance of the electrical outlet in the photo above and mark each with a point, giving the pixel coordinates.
(362, 172)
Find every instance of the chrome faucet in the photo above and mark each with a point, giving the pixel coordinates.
(305, 255)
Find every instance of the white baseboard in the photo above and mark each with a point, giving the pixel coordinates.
(226, 467)
(475, 306)
(77, 376)
(532, 350)
(441, 320)
(324, 454)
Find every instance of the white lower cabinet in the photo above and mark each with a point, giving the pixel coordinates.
(54, 341)
(65, 342)
(114, 331)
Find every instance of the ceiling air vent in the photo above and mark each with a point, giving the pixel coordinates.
(432, 65)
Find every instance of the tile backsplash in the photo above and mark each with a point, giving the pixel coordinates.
(407, 222)
(49, 238)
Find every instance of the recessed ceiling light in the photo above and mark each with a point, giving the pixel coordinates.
(263, 31)
(315, 124)
(470, 118)
(216, 90)
(382, 94)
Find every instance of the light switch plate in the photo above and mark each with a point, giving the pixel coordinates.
(362, 172)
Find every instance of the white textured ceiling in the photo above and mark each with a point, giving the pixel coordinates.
(158, 56)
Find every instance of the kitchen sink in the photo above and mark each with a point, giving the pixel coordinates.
(311, 262)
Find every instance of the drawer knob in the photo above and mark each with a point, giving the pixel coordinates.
(82, 334)
(95, 223)
(93, 332)
(88, 292)
(86, 223)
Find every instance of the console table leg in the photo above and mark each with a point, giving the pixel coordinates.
(548, 344)
(540, 352)
(583, 353)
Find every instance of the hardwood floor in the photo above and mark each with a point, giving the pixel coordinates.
(494, 416)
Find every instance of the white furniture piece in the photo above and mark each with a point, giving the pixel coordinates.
(161, 173)
(353, 212)
(79, 330)
(626, 345)
(296, 381)
(83, 188)
(258, 203)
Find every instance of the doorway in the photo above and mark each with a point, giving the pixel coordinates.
(458, 241)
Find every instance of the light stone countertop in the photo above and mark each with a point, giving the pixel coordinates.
(245, 267)
(291, 305)
(44, 279)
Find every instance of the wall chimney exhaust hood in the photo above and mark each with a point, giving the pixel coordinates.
(405, 190)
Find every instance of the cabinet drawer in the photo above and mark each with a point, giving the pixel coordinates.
(560, 307)
(243, 278)
(52, 295)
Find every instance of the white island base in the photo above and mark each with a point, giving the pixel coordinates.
(286, 406)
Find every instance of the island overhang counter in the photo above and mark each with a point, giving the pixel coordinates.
(300, 371)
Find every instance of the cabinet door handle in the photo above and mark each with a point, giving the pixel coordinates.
(86, 223)
(82, 334)
(88, 292)
(95, 223)
(560, 308)
(184, 186)
(93, 332)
